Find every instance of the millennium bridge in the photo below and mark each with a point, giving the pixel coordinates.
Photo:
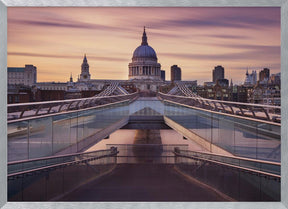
(228, 151)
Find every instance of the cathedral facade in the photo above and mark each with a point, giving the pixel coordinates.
(144, 65)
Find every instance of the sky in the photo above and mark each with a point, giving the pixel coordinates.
(196, 39)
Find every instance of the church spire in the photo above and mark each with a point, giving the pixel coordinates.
(85, 59)
(144, 38)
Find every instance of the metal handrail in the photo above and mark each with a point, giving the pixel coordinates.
(225, 102)
(230, 165)
(212, 157)
(235, 157)
(54, 157)
(67, 100)
(60, 113)
(262, 108)
(61, 105)
(57, 164)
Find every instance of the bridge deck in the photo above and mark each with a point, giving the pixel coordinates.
(143, 182)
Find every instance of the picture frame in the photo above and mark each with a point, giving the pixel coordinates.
(4, 4)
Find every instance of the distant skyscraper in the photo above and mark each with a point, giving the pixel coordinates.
(85, 75)
(275, 79)
(250, 79)
(218, 73)
(163, 75)
(175, 73)
(264, 74)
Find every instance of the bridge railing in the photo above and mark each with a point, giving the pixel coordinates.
(239, 178)
(258, 111)
(32, 109)
(268, 168)
(26, 166)
(50, 178)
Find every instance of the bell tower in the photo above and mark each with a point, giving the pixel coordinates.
(85, 75)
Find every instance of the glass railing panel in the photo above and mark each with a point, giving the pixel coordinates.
(242, 137)
(50, 134)
(87, 123)
(269, 142)
(40, 137)
(73, 131)
(245, 139)
(80, 127)
(15, 168)
(215, 135)
(17, 143)
(276, 169)
(226, 134)
(246, 185)
(203, 122)
(61, 132)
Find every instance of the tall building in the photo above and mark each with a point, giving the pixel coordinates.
(250, 79)
(144, 65)
(275, 79)
(218, 73)
(85, 75)
(264, 74)
(175, 73)
(26, 76)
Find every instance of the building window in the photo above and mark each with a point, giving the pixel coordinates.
(10, 99)
(16, 99)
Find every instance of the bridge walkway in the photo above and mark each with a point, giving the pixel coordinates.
(143, 182)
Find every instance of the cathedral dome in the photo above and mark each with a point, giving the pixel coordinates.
(144, 65)
(144, 50)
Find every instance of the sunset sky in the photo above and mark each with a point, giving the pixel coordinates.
(196, 39)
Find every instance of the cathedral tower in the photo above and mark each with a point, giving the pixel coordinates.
(85, 75)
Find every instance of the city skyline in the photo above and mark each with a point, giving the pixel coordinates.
(196, 39)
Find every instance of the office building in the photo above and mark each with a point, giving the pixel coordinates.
(264, 75)
(218, 73)
(175, 73)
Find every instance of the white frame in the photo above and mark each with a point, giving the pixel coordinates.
(147, 3)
